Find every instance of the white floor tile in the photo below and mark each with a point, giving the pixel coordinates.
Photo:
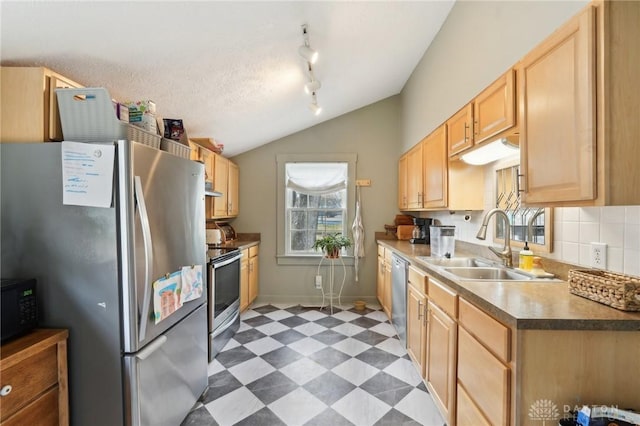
(243, 327)
(419, 406)
(393, 346)
(297, 407)
(232, 343)
(248, 371)
(355, 371)
(378, 316)
(214, 367)
(404, 370)
(264, 345)
(348, 329)
(284, 305)
(310, 328)
(307, 346)
(234, 406)
(303, 371)
(361, 408)
(278, 315)
(351, 346)
(248, 314)
(272, 328)
(312, 315)
(346, 316)
(385, 329)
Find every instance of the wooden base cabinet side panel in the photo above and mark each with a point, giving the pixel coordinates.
(244, 280)
(486, 380)
(588, 367)
(254, 273)
(380, 281)
(416, 329)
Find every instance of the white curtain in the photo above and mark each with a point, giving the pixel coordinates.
(316, 178)
(357, 229)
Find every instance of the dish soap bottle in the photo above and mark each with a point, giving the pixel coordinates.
(525, 258)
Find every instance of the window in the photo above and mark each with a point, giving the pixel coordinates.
(316, 204)
(315, 197)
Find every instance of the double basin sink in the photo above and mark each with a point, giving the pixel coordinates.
(477, 269)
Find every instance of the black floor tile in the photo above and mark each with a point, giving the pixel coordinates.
(220, 384)
(395, 418)
(377, 357)
(234, 356)
(293, 321)
(329, 418)
(248, 336)
(258, 321)
(370, 337)
(329, 387)
(329, 322)
(281, 357)
(264, 417)
(329, 337)
(329, 357)
(265, 309)
(299, 309)
(288, 336)
(272, 387)
(365, 322)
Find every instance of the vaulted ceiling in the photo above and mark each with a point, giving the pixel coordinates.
(229, 70)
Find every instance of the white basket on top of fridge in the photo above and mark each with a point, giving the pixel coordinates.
(88, 115)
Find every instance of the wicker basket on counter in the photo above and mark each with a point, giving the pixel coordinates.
(616, 290)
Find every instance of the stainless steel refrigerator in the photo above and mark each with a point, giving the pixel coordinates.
(95, 268)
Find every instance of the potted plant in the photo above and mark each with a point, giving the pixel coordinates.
(331, 244)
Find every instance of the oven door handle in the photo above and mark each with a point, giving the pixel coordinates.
(225, 262)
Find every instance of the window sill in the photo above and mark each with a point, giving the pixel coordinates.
(309, 260)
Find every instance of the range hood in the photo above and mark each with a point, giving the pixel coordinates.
(208, 190)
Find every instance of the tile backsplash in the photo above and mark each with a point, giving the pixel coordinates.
(574, 228)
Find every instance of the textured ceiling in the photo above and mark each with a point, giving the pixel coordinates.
(230, 70)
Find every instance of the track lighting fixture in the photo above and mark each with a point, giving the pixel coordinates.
(311, 86)
(313, 106)
(305, 50)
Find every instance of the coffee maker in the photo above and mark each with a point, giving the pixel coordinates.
(421, 230)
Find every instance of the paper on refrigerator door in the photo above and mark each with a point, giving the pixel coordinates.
(166, 295)
(87, 174)
(191, 283)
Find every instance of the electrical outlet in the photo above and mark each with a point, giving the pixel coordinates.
(599, 255)
(318, 281)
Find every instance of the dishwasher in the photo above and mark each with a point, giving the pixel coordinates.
(399, 268)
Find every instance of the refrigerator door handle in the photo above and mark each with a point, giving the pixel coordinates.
(148, 255)
(151, 348)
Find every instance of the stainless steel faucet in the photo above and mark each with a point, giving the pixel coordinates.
(505, 254)
(532, 219)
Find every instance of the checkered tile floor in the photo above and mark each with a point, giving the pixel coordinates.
(302, 366)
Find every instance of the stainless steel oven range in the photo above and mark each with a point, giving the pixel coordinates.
(224, 297)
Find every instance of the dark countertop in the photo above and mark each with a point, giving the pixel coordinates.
(534, 305)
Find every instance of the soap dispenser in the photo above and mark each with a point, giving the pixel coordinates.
(525, 258)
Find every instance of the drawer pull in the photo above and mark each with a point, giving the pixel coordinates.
(6, 390)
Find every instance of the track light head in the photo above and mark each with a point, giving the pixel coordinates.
(311, 86)
(308, 54)
(313, 106)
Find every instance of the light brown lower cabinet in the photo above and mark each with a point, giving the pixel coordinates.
(417, 318)
(441, 360)
(244, 280)
(253, 273)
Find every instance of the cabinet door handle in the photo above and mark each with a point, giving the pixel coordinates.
(518, 189)
(420, 306)
(475, 127)
(6, 390)
(466, 127)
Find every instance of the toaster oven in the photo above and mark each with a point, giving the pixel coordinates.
(19, 307)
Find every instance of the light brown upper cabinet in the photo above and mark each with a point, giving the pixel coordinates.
(225, 181)
(414, 178)
(402, 183)
(233, 188)
(460, 130)
(494, 110)
(435, 170)
(29, 104)
(579, 109)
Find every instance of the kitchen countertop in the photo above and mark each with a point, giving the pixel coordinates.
(526, 305)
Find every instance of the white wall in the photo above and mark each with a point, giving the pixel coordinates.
(479, 41)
